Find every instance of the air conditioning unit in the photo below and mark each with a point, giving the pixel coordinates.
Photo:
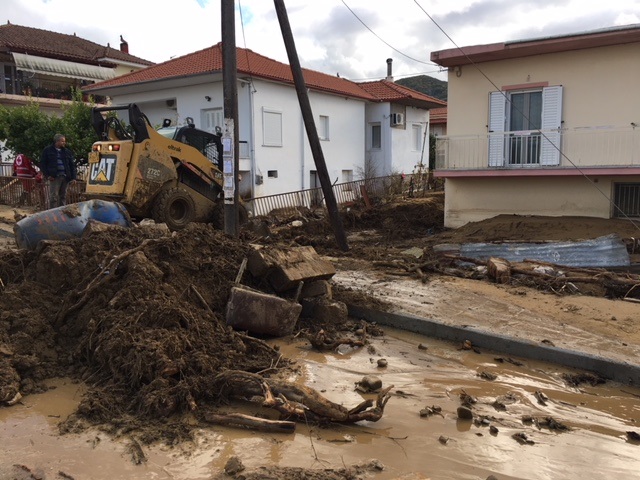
(397, 119)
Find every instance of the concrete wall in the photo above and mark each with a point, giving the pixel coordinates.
(472, 199)
(405, 156)
(600, 87)
(378, 160)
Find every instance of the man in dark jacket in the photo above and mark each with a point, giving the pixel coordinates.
(58, 166)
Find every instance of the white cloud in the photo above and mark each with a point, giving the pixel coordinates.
(328, 36)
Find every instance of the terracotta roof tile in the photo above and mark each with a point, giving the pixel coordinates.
(438, 115)
(34, 41)
(209, 60)
(387, 91)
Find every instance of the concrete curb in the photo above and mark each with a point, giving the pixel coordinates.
(619, 371)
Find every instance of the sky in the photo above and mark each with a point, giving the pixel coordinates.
(352, 38)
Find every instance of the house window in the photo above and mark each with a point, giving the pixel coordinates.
(8, 84)
(323, 127)
(525, 121)
(376, 135)
(212, 118)
(416, 137)
(271, 128)
(272, 173)
(524, 127)
(627, 200)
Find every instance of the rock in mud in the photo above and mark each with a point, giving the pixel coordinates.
(465, 413)
(382, 363)
(233, 466)
(369, 384)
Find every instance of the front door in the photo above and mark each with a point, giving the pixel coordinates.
(525, 122)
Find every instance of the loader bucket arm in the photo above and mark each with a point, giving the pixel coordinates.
(106, 127)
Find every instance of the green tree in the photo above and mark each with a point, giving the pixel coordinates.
(29, 130)
(77, 127)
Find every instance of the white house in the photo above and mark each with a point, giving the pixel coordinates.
(545, 126)
(275, 156)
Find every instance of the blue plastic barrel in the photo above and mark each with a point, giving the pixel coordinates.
(67, 222)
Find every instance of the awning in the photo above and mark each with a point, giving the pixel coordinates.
(62, 68)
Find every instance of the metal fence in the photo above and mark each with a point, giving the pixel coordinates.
(6, 169)
(368, 190)
(28, 192)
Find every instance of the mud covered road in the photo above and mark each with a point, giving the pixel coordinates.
(129, 328)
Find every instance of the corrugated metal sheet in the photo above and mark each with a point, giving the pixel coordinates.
(606, 251)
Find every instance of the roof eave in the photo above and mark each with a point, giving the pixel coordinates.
(123, 62)
(526, 48)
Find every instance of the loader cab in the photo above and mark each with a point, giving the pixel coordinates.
(209, 144)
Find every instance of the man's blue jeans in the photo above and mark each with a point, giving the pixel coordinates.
(58, 192)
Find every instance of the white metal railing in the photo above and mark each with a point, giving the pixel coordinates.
(580, 147)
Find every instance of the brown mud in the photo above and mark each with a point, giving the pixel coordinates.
(137, 315)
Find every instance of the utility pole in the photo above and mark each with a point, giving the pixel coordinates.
(310, 126)
(230, 134)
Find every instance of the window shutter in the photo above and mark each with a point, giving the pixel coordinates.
(497, 104)
(272, 128)
(550, 126)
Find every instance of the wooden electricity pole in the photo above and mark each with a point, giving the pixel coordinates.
(310, 126)
(230, 134)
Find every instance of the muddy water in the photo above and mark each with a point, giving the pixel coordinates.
(404, 442)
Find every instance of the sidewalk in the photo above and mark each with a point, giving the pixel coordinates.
(593, 333)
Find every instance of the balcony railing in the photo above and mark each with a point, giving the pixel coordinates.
(581, 147)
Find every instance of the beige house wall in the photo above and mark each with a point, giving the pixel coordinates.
(124, 69)
(600, 87)
(474, 199)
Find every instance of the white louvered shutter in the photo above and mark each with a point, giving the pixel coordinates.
(550, 126)
(497, 120)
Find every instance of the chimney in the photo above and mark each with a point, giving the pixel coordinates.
(389, 70)
(124, 46)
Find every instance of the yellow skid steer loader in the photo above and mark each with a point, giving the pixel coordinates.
(172, 175)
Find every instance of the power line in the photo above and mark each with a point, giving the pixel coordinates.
(246, 52)
(382, 40)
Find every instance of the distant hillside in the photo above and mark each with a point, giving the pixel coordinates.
(427, 85)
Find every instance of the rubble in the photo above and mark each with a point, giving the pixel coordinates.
(139, 315)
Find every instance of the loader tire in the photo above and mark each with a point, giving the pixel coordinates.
(218, 215)
(175, 207)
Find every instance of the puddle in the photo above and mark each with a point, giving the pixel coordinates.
(402, 440)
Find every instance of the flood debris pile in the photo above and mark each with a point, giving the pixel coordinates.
(138, 314)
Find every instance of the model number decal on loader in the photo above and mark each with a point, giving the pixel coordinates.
(103, 172)
(153, 173)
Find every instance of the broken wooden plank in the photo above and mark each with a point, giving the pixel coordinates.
(499, 269)
(286, 268)
(248, 421)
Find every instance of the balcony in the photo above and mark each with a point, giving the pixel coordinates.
(520, 153)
